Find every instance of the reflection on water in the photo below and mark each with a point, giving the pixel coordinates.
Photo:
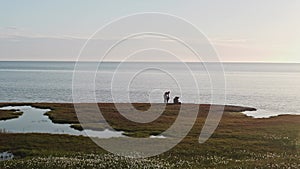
(266, 114)
(33, 120)
(159, 136)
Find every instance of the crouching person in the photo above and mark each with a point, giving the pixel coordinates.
(176, 100)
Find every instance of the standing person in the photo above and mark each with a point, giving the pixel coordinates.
(166, 97)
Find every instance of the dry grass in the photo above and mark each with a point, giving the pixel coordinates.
(9, 114)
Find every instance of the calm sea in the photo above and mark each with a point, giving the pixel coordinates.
(268, 87)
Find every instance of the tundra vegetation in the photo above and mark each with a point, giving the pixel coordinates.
(238, 142)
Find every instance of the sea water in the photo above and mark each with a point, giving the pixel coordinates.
(269, 87)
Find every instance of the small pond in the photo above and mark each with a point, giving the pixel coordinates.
(33, 120)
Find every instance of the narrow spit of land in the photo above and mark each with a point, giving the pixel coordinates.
(9, 114)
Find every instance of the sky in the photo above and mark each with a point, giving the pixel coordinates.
(240, 31)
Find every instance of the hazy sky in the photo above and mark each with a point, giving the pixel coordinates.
(253, 30)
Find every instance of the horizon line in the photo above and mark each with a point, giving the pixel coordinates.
(114, 61)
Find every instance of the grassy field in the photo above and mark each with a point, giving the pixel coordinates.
(238, 142)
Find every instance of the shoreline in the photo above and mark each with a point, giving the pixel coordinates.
(69, 108)
(64, 113)
(62, 109)
(44, 104)
(244, 109)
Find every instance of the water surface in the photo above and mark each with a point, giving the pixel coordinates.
(33, 120)
(271, 88)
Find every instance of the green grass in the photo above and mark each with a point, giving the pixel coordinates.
(238, 142)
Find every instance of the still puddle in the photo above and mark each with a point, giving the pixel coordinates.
(33, 120)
